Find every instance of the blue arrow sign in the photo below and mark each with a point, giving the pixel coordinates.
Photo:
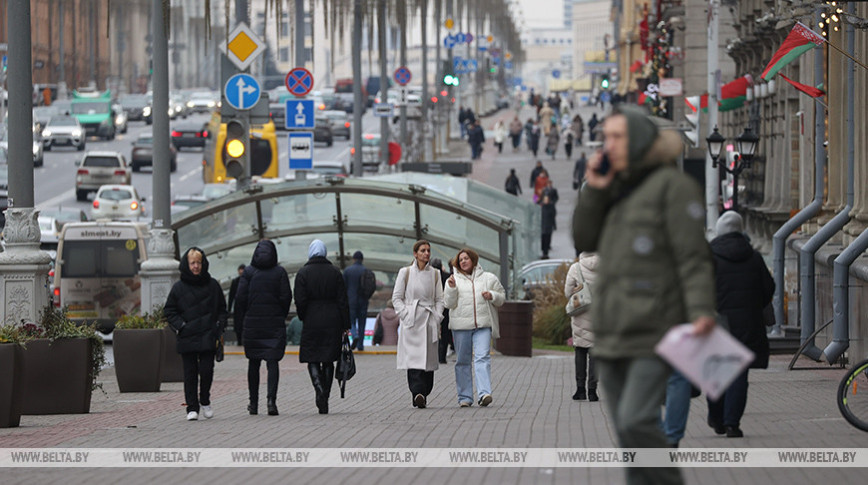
(242, 91)
(301, 150)
(300, 114)
(507, 65)
(449, 41)
(556, 74)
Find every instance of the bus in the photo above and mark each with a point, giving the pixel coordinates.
(95, 112)
(264, 157)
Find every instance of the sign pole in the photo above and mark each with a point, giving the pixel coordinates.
(300, 58)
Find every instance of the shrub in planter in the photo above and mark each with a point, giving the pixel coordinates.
(550, 320)
(61, 364)
(11, 363)
(138, 350)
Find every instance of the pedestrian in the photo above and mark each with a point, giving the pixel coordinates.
(583, 272)
(473, 297)
(512, 184)
(321, 302)
(386, 326)
(548, 224)
(744, 288)
(476, 137)
(545, 118)
(237, 323)
(578, 129)
(533, 137)
(354, 277)
(537, 170)
(196, 311)
(515, 129)
(579, 171)
(540, 184)
(592, 127)
(645, 219)
(445, 335)
(462, 121)
(552, 140)
(550, 190)
(418, 299)
(263, 303)
(499, 135)
(568, 143)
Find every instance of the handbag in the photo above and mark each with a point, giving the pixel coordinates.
(580, 300)
(346, 367)
(219, 352)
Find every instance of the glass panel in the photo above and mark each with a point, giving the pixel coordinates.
(373, 210)
(462, 231)
(217, 229)
(298, 211)
(223, 265)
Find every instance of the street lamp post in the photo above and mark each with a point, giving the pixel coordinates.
(746, 144)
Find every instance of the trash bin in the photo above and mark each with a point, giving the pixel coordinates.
(516, 328)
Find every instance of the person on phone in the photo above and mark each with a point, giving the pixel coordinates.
(645, 219)
(472, 297)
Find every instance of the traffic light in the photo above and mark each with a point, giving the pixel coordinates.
(691, 127)
(237, 150)
(450, 79)
(604, 83)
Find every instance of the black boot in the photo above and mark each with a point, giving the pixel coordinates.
(592, 395)
(328, 376)
(315, 372)
(253, 407)
(272, 406)
(580, 394)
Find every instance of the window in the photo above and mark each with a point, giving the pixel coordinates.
(101, 162)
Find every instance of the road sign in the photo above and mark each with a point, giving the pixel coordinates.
(299, 81)
(556, 74)
(402, 75)
(394, 153)
(384, 110)
(301, 151)
(402, 96)
(461, 37)
(299, 114)
(449, 41)
(468, 38)
(463, 66)
(242, 91)
(242, 46)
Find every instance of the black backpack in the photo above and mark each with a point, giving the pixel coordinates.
(368, 284)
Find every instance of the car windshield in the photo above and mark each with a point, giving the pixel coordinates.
(62, 121)
(93, 161)
(202, 97)
(115, 194)
(145, 140)
(371, 140)
(134, 101)
(90, 108)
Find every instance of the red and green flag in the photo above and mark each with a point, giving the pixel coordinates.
(734, 94)
(800, 40)
(696, 103)
(810, 91)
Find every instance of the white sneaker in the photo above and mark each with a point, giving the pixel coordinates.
(192, 416)
(207, 412)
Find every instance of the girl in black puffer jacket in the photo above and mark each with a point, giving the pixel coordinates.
(196, 311)
(263, 303)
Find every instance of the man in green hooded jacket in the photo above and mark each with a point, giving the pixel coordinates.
(645, 219)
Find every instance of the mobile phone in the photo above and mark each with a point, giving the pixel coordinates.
(604, 166)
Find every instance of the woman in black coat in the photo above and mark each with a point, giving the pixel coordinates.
(263, 303)
(196, 311)
(744, 288)
(321, 302)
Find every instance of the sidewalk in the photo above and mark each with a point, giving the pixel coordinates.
(532, 409)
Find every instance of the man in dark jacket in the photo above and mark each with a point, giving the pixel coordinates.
(358, 303)
(645, 218)
(196, 311)
(744, 288)
(233, 291)
(476, 137)
(512, 185)
(263, 303)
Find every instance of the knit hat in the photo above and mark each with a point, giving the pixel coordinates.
(729, 222)
(358, 255)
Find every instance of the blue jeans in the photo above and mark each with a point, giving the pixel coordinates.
(358, 318)
(472, 345)
(677, 407)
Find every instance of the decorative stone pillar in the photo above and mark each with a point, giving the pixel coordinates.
(160, 271)
(23, 268)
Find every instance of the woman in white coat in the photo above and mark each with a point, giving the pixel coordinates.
(472, 297)
(418, 299)
(583, 271)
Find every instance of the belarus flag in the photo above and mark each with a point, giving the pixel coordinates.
(800, 40)
(734, 94)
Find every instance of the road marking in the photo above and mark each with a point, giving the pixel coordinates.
(56, 199)
(188, 175)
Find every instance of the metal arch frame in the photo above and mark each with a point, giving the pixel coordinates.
(414, 193)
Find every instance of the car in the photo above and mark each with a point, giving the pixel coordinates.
(49, 229)
(184, 202)
(64, 215)
(37, 143)
(143, 153)
(63, 131)
(189, 134)
(177, 106)
(323, 168)
(120, 118)
(322, 131)
(203, 102)
(100, 168)
(215, 191)
(340, 123)
(117, 202)
(370, 152)
(137, 107)
(537, 273)
(278, 115)
(43, 114)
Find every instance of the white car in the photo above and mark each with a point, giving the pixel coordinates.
(117, 202)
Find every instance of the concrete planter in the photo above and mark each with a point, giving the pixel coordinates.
(516, 329)
(11, 361)
(173, 367)
(138, 359)
(56, 377)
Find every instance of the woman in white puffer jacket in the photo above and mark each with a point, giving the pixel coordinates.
(472, 297)
(583, 271)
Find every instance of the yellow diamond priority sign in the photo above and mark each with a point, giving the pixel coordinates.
(242, 46)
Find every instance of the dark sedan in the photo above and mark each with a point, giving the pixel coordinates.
(143, 153)
(189, 134)
(278, 115)
(322, 131)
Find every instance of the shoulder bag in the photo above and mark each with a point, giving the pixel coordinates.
(580, 301)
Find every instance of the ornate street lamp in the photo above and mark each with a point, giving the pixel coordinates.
(747, 143)
(715, 143)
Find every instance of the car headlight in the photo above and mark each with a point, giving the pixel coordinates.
(119, 120)
(189, 104)
(46, 133)
(35, 148)
(76, 132)
(211, 104)
(146, 111)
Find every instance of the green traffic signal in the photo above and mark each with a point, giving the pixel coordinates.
(604, 83)
(450, 80)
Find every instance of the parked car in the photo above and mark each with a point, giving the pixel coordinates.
(189, 134)
(63, 131)
(340, 123)
(100, 168)
(143, 153)
(322, 131)
(537, 273)
(117, 202)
